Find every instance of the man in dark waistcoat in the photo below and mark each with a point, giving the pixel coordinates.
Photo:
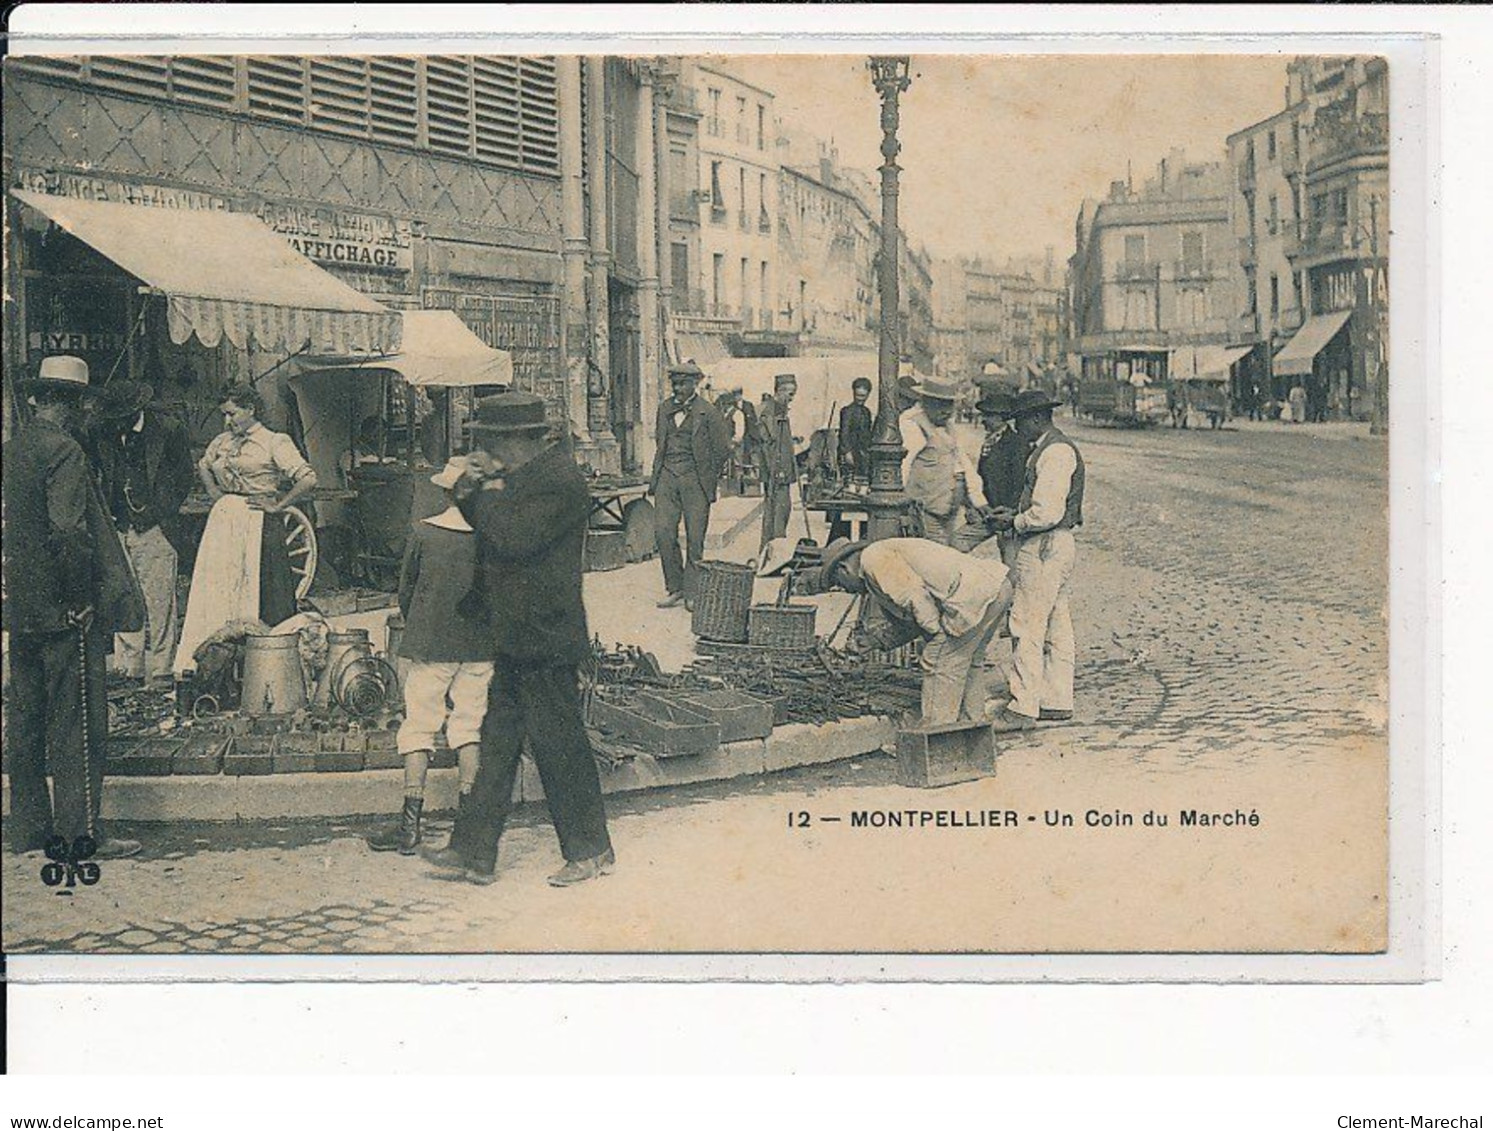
(528, 504)
(145, 465)
(1002, 463)
(68, 589)
(1051, 507)
(694, 443)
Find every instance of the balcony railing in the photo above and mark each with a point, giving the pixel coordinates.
(1193, 269)
(1139, 270)
(1334, 138)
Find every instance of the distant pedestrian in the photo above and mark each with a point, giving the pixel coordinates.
(1297, 399)
(68, 590)
(779, 458)
(693, 447)
(529, 505)
(450, 656)
(855, 436)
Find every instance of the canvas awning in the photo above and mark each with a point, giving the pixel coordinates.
(1205, 363)
(226, 274)
(1296, 357)
(702, 349)
(438, 350)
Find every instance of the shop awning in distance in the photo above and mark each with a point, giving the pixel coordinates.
(438, 350)
(1205, 363)
(1296, 357)
(226, 274)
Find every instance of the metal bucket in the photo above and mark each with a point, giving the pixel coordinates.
(341, 648)
(273, 683)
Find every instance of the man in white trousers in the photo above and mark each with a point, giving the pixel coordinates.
(1051, 507)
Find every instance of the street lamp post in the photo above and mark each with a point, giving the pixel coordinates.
(885, 505)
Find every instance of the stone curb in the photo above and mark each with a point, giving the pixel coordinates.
(266, 796)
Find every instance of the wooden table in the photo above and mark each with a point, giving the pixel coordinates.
(836, 510)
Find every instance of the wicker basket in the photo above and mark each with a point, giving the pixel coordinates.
(723, 595)
(781, 626)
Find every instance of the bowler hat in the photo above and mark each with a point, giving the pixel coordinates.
(685, 369)
(1031, 400)
(933, 389)
(59, 373)
(511, 414)
(995, 400)
(124, 400)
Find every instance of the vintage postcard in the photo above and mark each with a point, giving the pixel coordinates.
(921, 504)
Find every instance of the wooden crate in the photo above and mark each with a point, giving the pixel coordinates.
(945, 754)
(740, 716)
(605, 550)
(663, 729)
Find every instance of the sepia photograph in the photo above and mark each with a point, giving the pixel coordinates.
(786, 504)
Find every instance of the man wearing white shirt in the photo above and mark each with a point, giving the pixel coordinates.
(1051, 507)
(936, 471)
(953, 601)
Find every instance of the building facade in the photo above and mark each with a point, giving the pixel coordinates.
(1013, 315)
(1156, 271)
(523, 193)
(1311, 213)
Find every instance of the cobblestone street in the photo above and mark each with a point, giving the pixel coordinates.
(1230, 606)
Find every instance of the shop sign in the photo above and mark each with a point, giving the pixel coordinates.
(78, 186)
(74, 341)
(342, 238)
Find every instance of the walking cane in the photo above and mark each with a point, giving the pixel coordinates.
(87, 737)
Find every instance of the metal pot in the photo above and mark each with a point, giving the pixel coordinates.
(352, 643)
(273, 683)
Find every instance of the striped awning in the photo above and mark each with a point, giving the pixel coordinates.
(227, 275)
(1296, 357)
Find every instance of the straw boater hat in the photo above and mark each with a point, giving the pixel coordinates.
(447, 476)
(933, 389)
(509, 414)
(61, 374)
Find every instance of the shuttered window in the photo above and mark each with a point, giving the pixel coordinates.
(448, 103)
(277, 87)
(339, 95)
(394, 106)
(137, 74)
(540, 120)
(500, 110)
(208, 80)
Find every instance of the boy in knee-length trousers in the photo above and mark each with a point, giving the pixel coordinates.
(450, 658)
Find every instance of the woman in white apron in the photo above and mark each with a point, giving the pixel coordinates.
(243, 568)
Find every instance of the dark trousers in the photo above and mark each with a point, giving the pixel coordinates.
(543, 706)
(777, 506)
(680, 496)
(46, 732)
(276, 581)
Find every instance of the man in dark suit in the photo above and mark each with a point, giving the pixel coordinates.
(68, 588)
(529, 505)
(1002, 463)
(780, 462)
(145, 465)
(694, 443)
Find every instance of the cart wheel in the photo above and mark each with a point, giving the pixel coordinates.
(300, 544)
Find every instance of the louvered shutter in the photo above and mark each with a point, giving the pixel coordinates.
(277, 87)
(208, 80)
(448, 103)
(134, 74)
(539, 104)
(394, 105)
(69, 66)
(339, 95)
